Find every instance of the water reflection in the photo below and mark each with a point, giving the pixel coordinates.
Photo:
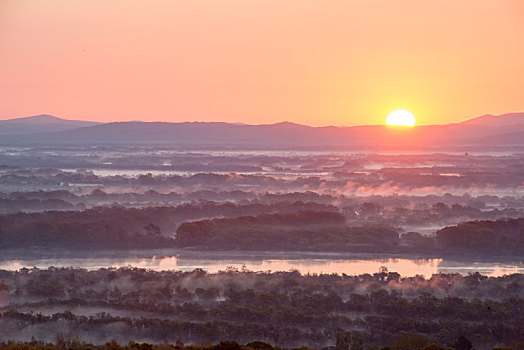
(406, 267)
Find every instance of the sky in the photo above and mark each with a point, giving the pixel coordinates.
(261, 61)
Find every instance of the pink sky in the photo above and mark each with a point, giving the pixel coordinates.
(310, 62)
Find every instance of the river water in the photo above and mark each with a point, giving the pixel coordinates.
(314, 263)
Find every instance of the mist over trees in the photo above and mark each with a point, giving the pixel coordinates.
(118, 199)
(285, 308)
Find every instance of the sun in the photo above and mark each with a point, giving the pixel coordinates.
(400, 117)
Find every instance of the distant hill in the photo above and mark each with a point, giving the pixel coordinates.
(285, 134)
(497, 120)
(39, 124)
(194, 133)
(506, 139)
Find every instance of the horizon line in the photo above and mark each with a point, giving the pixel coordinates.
(4, 118)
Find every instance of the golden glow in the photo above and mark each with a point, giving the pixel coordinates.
(317, 64)
(400, 117)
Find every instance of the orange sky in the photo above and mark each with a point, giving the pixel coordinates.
(261, 61)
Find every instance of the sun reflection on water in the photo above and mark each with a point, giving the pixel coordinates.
(311, 265)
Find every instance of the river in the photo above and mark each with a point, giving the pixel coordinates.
(304, 262)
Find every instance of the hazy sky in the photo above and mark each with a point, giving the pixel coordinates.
(311, 62)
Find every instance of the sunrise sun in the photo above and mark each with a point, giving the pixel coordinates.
(400, 117)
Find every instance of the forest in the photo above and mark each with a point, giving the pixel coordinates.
(345, 341)
(286, 309)
(63, 202)
(294, 226)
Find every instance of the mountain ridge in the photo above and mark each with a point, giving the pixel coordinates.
(286, 133)
(503, 119)
(481, 120)
(40, 123)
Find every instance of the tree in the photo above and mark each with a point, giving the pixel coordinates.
(410, 342)
(462, 343)
(347, 341)
(433, 347)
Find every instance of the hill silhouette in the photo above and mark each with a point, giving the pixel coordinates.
(285, 134)
(39, 124)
